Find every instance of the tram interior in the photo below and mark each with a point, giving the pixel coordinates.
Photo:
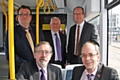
(57, 7)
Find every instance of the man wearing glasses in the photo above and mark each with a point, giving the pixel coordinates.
(24, 37)
(79, 33)
(92, 69)
(39, 69)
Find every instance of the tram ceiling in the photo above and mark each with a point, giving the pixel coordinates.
(70, 4)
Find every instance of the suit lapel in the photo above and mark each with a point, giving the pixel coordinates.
(82, 68)
(36, 76)
(83, 32)
(35, 71)
(99, 72)
(22, 33)
(49, 73)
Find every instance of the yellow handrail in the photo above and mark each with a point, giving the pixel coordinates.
(3, 9)
(39, 4)
(11, 39)
(47, 6)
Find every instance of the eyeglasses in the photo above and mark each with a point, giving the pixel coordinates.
(40, 52)
(78, 13)
(24, 14)
(90, 55)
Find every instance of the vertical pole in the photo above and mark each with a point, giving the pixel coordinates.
(11, 39)
(37, 25)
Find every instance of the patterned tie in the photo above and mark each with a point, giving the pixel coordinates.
(89, 76)
(29, 39)
(58, 47)
(42, 75)
(77, 41)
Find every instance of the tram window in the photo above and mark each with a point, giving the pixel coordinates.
(114, 38)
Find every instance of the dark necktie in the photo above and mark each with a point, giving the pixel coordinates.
(42, 75)
(89, 76)
(58, 47)
(77, 41)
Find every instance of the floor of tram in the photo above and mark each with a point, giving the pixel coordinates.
(3, 67)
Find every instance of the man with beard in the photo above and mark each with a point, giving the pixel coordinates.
(39, 68)
(92, 69)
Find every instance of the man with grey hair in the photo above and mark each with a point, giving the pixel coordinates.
(39, 69)
(58, 42)
(92, 69)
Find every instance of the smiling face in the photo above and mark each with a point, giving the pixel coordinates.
(55, 24)
(24, 17)
(78, 15)
(90, 57)
(43, 55)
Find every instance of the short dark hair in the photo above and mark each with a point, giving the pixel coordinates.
(80, 8)
(24, 7)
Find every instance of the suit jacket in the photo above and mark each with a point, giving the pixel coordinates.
(88, 34)
(23, 51)
(30, 71)
(48, 37)
(103, 73)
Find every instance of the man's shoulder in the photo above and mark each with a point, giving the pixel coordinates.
(87, 23)
(106, 68)
(53, 67)
(79, 67)
(29, 64)
(17, 27)
(73, 26)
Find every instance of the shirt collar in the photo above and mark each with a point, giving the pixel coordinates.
(54, 32)
(26, 28)
(39, 68)
(94, 72)
(81, 25)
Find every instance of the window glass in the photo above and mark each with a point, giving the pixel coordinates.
(110, 1)
(114, 38)
(96, 23)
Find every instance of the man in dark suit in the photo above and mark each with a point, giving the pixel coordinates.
(86, 33)
(90, 57)
(49, 36)
(23, 49)
(32, 70)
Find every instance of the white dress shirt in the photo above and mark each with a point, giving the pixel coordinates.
(54, 42)
(45, 73)
(81, 27)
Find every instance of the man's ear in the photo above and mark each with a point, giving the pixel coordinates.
(16, 18)
(34, 54)
(84, 15)
(99, 56)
